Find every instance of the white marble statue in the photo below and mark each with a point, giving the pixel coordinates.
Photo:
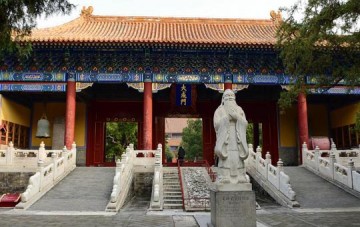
(231, 146)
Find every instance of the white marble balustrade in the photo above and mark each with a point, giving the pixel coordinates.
(275, 175)
(333, 167)
(26, 158)
(47, 175)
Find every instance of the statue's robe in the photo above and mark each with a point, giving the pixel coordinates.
(231, 146)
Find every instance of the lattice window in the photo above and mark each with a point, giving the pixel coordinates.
(16, 133)
(345, 137)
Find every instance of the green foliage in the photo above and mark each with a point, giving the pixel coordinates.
(169, 154)
(192, 139)
(249, 133)
(320, 38)
(18, 17)
(118, 136)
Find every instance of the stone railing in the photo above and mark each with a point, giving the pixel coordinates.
(328, 168)
(122, 180)
(26, 158)
(272, 176)
(156, 194)
(48, 175)
(131, 162)
(342, 157)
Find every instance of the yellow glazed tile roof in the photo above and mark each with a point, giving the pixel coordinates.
(115, 29)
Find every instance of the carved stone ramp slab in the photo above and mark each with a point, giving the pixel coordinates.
(313, 191)
(85, 189)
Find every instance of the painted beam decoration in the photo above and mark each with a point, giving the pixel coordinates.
(337, 91)
(109, 77)
(33, 76)
(48, 69)
(30, 87)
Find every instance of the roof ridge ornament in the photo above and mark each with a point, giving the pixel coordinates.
(276, 16)
(86, 12)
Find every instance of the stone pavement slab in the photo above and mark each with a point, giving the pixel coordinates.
(270, 216)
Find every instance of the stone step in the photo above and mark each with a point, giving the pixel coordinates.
(173, 190)
(179, 195)
(173, 206)
(171, 186)
(172, 180)
(172, 201)
(171, 177)
(175, 193)
(172, 197)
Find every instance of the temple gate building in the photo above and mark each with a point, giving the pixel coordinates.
(98, 69)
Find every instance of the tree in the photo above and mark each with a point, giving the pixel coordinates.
(168, 153)
(118, 136)
(192, 139)
(319, 43)
(18, 17)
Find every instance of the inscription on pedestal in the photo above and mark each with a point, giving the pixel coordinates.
(235, 208)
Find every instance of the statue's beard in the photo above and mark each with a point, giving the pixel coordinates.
(230, 106)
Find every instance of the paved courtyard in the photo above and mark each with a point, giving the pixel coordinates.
(270, 216)
(135, 214)
(322, 204)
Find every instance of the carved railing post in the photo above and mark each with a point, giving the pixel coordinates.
(118, 165)
(280, 165)
(42, 153)
(332, 160)
(73, 146)
(351, 169)
(316, 157)
(280, 168)
(10, 152)
(124, 156)
(131, 150)
(268, 158)
(333, 146)
(157, 181)
(158, 155)
(304, 150)
(258, 156)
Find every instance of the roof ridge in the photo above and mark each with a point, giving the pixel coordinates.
(180, 19)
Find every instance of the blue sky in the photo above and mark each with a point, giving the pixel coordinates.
(256, 9)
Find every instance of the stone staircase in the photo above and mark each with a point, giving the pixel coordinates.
(171, 188)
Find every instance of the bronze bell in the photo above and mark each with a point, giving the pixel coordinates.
(43, 127)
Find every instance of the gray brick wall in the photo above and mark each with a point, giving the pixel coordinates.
(14, 182)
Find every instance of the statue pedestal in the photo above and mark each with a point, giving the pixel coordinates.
(233, 207)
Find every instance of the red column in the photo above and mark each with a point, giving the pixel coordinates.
(70, 112)
(148, 115)
(227, 85)
(302, 121)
